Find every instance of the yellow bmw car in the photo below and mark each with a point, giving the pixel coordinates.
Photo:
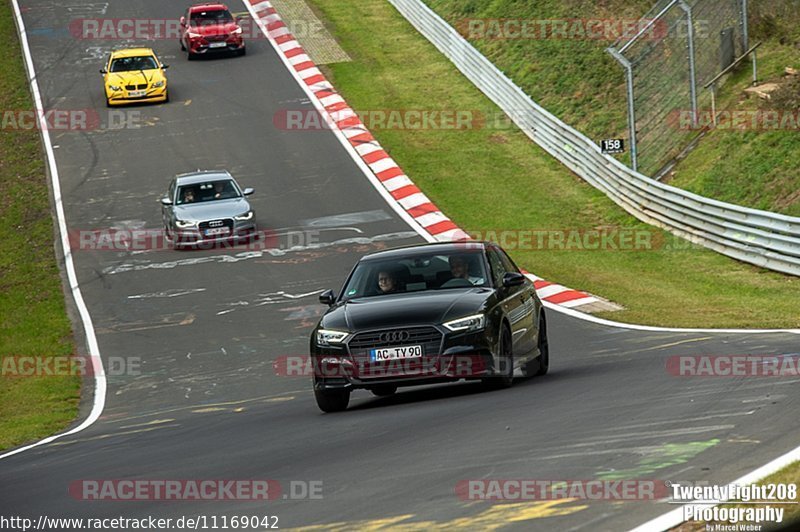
(134, 75)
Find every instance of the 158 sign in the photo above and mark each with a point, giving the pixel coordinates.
(612, 146)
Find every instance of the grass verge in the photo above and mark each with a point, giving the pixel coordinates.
(497, 179)
(34, 322)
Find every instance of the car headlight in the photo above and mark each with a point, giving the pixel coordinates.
(158, 84)
(244, 217)
(184, 224)
(194, 35)
(326, 337)
(237, 31)
(114, 88)
(475, 322)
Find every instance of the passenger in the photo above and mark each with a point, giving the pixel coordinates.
(188, 196)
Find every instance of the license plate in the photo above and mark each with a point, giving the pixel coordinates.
(218, 45)
(217, 231)
(137, 94)
(395, 353)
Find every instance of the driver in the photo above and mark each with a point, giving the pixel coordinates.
(459, 268)
(387, 282)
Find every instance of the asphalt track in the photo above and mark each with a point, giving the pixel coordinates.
(207, 326)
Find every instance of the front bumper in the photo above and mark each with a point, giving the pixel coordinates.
(203, 47)
(194, 236)
(123, 97)
(461, 356)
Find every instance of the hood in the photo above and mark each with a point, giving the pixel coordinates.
(212, 30)
(136, 77)
(397, 310)
(212, 210)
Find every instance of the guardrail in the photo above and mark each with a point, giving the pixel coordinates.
(762, 238)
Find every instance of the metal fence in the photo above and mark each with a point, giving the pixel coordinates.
(758, 237)
(684, 44)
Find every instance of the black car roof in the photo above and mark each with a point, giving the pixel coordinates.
(426, 249)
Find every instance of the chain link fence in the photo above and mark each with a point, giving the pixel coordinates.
(681, 46)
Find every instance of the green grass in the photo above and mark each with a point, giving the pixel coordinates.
(499, 180)
(579, 82)
(33, 319)
(755, 168)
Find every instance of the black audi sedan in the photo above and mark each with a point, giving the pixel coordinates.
(428, 314)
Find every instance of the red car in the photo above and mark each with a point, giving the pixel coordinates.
(208, 29)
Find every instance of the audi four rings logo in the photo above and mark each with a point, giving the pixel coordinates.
(215, 223)
(394, 336)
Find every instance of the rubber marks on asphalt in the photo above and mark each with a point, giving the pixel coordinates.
(388, 172)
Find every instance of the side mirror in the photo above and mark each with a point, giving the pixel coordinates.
(248, 191)
(166, 201)
(327, 297)
(513, 279)
(103, 71)
(164, 67)
(183, 21)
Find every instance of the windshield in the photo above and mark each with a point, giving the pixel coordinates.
(216, 190)
(415, 274)
(210, 18)
(142, 62)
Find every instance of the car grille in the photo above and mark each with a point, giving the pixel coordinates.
(136, 87)
(216, 38)
(213, 224)
(428, 337)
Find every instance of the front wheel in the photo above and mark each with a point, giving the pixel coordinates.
(503, 376)
(332, 400)
(544, 347)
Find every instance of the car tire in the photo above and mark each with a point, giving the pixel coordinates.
(242, 52)
(384, 390)
(332, 400)
(183, 48)
(540, 364)
(192, 56)
(166, 96)
(504, 377)
(544, 348)
(108, 102)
